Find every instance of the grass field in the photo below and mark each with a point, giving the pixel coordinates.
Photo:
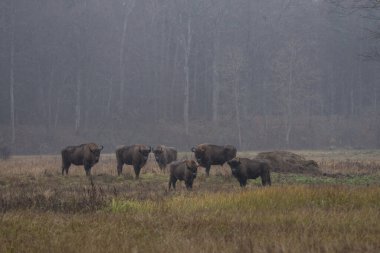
(42, 211)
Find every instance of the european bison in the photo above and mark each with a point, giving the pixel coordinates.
(164, 155)
(84, 154)
(244, 169)
(208, 154)
(135, 155)
(183, 170)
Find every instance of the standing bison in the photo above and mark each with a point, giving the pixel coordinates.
(164, 155)
(208, 154)
(135, 155)
(183, 170)
(244, 169)
(84, 154)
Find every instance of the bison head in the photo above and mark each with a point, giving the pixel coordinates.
(192, 166)
(198, 153)
(95, 151)
(144, 151)
(235, 165)
(158, 153)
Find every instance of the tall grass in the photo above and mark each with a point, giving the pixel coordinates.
(276, 219)
(42, 211)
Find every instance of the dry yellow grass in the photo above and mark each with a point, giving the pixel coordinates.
(277, 219)
(42, 211)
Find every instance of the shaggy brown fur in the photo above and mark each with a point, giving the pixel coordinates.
(208, 154)
(243, 169)
(84, 154)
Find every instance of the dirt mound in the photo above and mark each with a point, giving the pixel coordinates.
(284, 161)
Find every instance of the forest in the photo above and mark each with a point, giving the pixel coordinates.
(259, 75)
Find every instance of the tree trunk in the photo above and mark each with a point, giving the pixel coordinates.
(77, 103)
(11, 90)
(215, 82)
(172, 93)
(375, 101)
(187, 47)
(57, 107)
(50, 99)
(237, 107)
(289, 124)
(128, 9)
(109, 99)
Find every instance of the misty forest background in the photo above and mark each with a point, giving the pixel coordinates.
(265, 74)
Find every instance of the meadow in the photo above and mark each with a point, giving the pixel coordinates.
(337, 211)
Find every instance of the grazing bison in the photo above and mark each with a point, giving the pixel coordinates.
(183, 170)
(208, 154)
(244, 169)
(164, 155)
(135, 155)
(85, 154)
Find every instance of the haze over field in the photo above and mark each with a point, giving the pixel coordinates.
(295, 74)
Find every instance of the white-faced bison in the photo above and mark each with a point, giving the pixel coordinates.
(164, 155)
(208, 154)
(183, 170)
(85, 154)
(135, 155)
(243, 169)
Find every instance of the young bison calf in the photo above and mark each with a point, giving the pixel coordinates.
(183, 170)
(244, 169)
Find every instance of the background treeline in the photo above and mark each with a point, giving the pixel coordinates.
(257, 74)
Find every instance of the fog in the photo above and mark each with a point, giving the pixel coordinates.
(260, 75)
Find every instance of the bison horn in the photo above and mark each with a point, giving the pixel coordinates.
(101, 147)
(193, 149)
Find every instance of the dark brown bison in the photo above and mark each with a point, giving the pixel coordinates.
(164, 155)
(84, 154)
(208, 154)
(243, 169)
(183, 170)
(135, 155)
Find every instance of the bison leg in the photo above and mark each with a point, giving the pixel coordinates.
(119, 168)
(243, 182)
(208, 167)
(87, 168)
(137, 171)
(265, 179)
(189, 185)
(172, 181)
(65, 168)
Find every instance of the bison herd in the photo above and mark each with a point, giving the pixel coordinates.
(185, 170)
